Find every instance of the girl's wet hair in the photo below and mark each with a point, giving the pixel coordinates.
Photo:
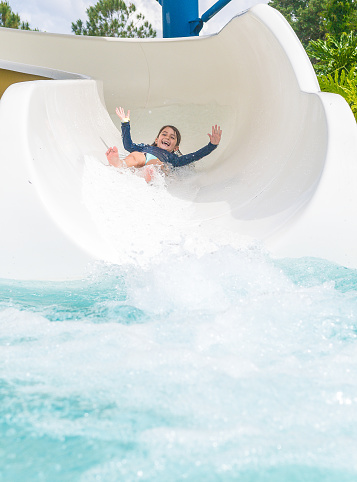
(175, 129)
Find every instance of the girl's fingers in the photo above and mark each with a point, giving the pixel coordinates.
(120, 111)
(216, 129)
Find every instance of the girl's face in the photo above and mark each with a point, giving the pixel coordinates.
(167, 139)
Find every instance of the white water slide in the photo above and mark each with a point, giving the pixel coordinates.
(285, 172)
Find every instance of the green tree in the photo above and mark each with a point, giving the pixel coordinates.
(305, 16)
(340, 16)
(10, 19)
(113, 18)
(313, 19)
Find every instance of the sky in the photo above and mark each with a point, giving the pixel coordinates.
(56, 16)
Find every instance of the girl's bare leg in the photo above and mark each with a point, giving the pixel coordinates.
(134, 159)
(148, 171)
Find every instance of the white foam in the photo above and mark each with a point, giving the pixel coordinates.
(228, 361)
(143, 221)
(138, 219)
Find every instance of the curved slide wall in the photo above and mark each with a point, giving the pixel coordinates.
(284, 172)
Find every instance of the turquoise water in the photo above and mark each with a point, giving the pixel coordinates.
(222, 367)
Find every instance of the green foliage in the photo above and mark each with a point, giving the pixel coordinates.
(336, 66)
(10, 19)
(343, 83)
(334, 54)
(113, 18)
(313, 19)
(340, 16)
(326, 28)
(305, 16)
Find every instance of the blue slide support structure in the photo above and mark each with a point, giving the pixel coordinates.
(181, 19)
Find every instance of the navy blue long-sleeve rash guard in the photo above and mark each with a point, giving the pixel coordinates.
(162, 154)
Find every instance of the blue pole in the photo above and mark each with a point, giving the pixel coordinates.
(176, 17)
(214, 9)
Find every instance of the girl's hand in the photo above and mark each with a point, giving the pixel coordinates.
(121, 114)
(216, 135)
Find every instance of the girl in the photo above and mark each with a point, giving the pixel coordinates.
(163, 151)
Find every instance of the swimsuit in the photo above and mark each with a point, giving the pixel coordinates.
(162, 154)
(149, 157)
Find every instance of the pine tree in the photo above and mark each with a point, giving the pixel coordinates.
(113, 18)
(10, 19)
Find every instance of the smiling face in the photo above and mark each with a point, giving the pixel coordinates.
(167, 139)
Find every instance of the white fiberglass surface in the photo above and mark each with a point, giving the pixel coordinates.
(266, 169)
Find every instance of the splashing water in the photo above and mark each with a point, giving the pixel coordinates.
(132, 216)
(142, 222)
(216, 366)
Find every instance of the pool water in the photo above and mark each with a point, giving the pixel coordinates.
(184, 359)
(226, 366)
